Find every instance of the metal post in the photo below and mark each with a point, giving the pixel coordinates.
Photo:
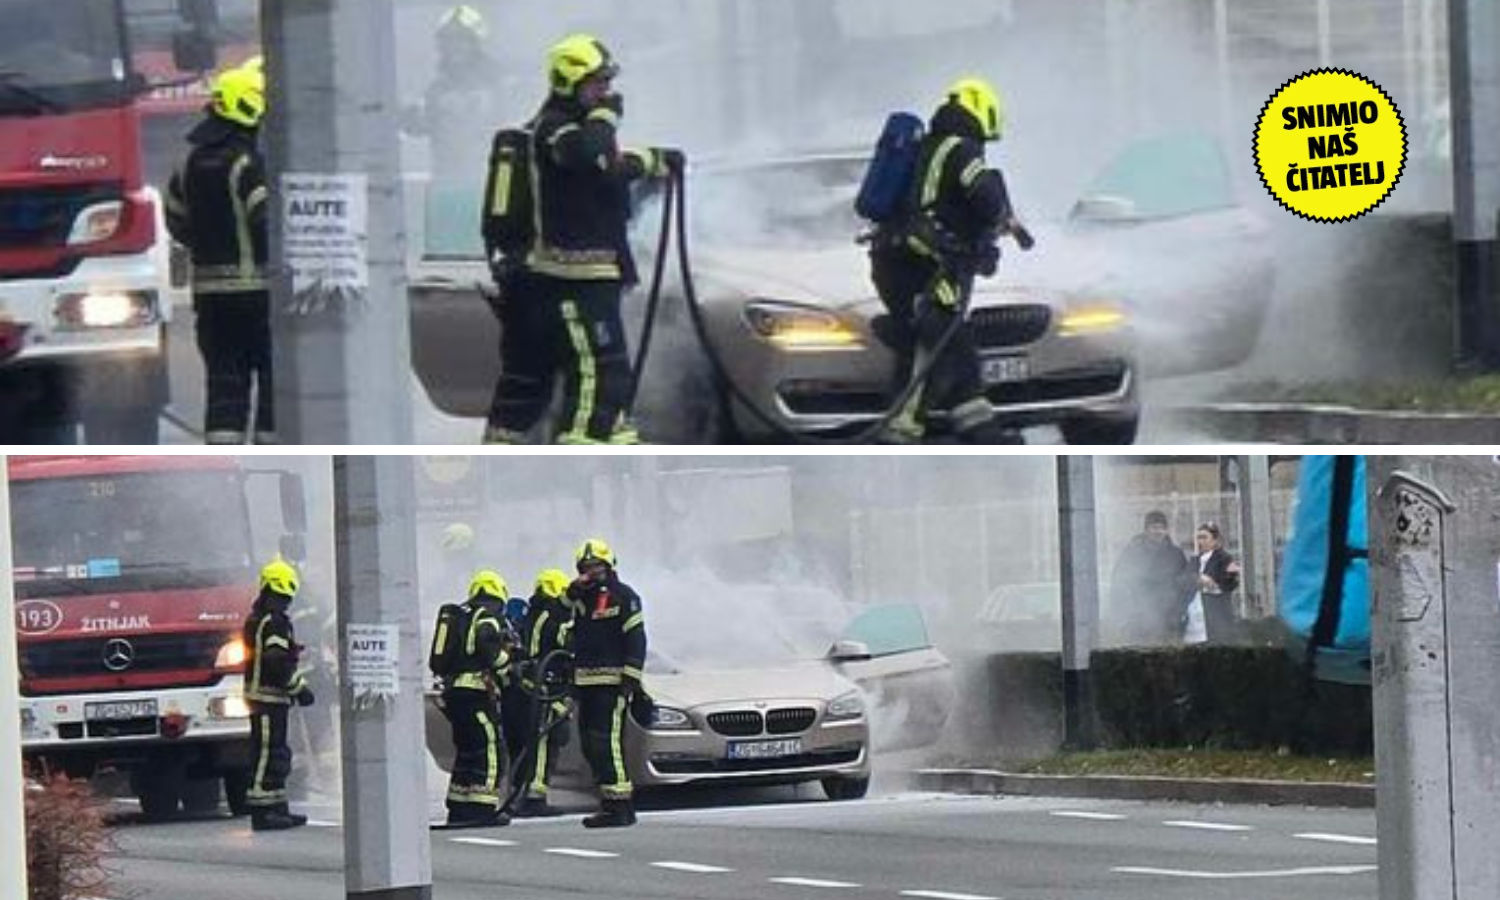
(1079, 558)
(12, 786)
(1256, 543)
(1436, 660)
(339, 294)
(387, 851)
(1474, 66)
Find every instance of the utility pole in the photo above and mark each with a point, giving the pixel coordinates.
(387, 849)
(1435, 664)
(1474, 114)
(1079, 557)
(1257, 546)
(12, 783)
(339, 291)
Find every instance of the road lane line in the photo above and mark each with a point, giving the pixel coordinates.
(695, 868)
(1207, 826)
(483, 841)
(321, 823)
(946, 895)
(1080, 814)
(581, 853)
(1336, 838)
(1269, 873)
(813, 882)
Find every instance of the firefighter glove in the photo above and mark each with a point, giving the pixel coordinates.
(673, 158)
(1023, 237)
(615, 103)
(305, 697)
(642, 708)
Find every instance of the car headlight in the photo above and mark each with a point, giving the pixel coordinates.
(665, 718)
(96, 223)
(232, 707)
(105, 309)
(805, 328)
(231, 656)
(1093, 318)
(845, 706)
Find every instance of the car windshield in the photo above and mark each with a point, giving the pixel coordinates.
(56, 56)
(776, 205)
(113, 533)
(751, 626)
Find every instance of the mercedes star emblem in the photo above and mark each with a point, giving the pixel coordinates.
(118, 655)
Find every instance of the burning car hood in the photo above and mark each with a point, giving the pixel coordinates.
(798, 681)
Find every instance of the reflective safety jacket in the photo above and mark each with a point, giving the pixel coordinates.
(581, 181)
(549, 627)
(271, 674)
(487, 650)
(954, 192)
(216, 207)
(609, 633)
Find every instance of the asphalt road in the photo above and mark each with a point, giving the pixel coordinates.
(903, 845)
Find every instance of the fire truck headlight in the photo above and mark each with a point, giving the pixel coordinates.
(28, 723)
(105, 309)
(231, 656)
(97, 223)
(232, 707)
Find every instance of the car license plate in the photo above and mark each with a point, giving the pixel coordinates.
(764, 749)
(1005, 369)
(116, 710)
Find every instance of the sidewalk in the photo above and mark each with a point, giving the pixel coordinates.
(1132, 787)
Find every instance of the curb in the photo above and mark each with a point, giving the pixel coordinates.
(1296, 423)
(1146, 787)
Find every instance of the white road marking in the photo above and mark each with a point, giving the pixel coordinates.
(1269, 873)
(1081, 814)
(813, 882)
(322, 823)
(695, 868)
(581, 853)
(946, 895)
(1336, 838)
(483, 841)
(1207, 826)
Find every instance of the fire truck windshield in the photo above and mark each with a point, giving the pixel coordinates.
(114, 533)
(57, 56)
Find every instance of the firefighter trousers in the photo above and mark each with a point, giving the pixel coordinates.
(597, 378)
(530, 356)
(601, 726)
(270, 757)
(234, 336)
(474, 787)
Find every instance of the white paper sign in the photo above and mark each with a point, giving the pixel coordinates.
(326, 233)
(373, 656)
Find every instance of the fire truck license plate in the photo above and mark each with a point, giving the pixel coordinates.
(1005, 369)
(120, 709)
(764, 749)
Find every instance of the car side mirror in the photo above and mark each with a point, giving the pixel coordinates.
(194, 50)
(1104, 208)
(849, 651)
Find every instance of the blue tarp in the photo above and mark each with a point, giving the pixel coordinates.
(1305, 567)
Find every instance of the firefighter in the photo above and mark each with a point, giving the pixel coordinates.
(580, 262)
(549, 627)
(272, 684)
(609, 656)
(461, 104)
(925, 263)
(216, 208)
(469, 703)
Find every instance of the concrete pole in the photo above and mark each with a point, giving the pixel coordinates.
(1079, 558)
(339, 307)
(387, 850)
(1257, 546)
(12, 785)
(1474, 78)
(1436, 660)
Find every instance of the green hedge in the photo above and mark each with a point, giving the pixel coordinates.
(1230, 698)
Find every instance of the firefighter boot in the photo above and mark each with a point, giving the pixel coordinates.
(536, 808)
(615, 814)
(275, 818)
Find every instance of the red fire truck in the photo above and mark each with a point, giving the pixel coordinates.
(86, 273)
(133, 577)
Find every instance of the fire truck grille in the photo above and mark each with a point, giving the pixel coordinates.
(125, 655)
(43, 217)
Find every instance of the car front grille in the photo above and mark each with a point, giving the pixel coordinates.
(1071, 384)
(790, 721)
(1016, 325)
(740, 723)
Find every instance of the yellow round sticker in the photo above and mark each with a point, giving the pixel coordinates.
(1330, 145)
